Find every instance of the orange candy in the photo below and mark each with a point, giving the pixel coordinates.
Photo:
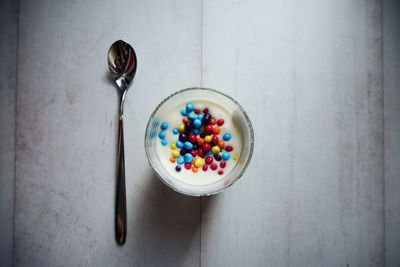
(221, 144)
(185, 120)
(216, 130)
(212, 121)
(194, 169)
(172, 159)
(200, 141)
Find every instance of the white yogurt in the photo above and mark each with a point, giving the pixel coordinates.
(174, 118)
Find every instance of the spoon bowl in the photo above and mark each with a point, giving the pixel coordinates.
(122, 64)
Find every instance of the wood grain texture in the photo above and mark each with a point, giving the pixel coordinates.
(309, 75)
(66, 137)
(8, 66)
(391, 66)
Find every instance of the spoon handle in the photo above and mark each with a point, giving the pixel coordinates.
(120, 207)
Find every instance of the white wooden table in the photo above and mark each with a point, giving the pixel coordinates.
(319, 79)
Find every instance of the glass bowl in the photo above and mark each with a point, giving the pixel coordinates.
(239, 118)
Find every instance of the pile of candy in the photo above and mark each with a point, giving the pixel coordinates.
(198, 141)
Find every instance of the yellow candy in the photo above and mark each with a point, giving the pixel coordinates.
(235, 156)
(172, 146)
(198, 162)
(207, 139)
(175, 153)
(215, 149)
(181, 128)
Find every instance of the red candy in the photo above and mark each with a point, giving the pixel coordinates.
(194, 153)
(209, 160)
(209, 129)
(205, 167)
(200, 152)
(228, 148)
(192, 138)
(206, 147)
(196, 111)
(213, 166)
(205, 111)
(220, 172)
(220, 122)
(188, 166)
(222, 164)
(215, 140)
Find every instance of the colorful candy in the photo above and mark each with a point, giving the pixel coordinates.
(226, 137)
(182, 137)
(198, 162)
(225, 156)
(192, 138)
(180, 160)
(213, 166)
(197, 123)
(189, 107)
(209, 160)
(228, 148)
(188, 158)
(198, 141)
(161, 134)
(175, 153)
(179, 144)
(188, 145)
(215, 149)
(206, 147)
(164, 125)
(188, 166)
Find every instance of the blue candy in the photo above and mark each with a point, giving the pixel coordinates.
(225, 156)
(164, 125)
(188, 158)
(197, 123)
(196, 131)
(189, 107)
(192, 116)
(226, 137)
(180, 160)
(175, 131)
(183, 112)
(161, 134)
(200, 116)
(164, 142)
(179, 144)
(188, 146)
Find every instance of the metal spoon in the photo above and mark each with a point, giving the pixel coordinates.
(122, 64)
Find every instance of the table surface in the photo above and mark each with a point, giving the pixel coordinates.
(319, 80)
